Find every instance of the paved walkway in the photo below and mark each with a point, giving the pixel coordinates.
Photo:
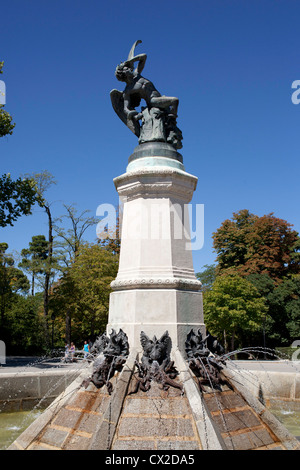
(33, 364)
(17, 364)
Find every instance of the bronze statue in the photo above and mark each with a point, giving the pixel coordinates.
(158, 117)
(155, 365)
(204, 361)
(111, 353)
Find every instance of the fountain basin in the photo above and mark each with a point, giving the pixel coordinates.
(22, 391)
(92, 419)
(271, 381)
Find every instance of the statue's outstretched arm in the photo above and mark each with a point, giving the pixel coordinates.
(141, 58)
(133, 58)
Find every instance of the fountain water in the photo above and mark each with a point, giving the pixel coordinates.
(219, 414)
(27, 387)
(275, 382)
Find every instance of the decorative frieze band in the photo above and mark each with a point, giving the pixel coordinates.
(156, 283)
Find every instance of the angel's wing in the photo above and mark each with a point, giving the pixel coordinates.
(166, 339)
(144, 339)
(117, 101)
(100, 344)
(122, 340)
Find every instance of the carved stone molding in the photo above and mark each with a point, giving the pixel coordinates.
(158, 182)
(156, 283)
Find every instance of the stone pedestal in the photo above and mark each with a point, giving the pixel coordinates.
(156, 288)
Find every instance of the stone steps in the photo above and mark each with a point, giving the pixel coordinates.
(156, 420)
(91, 419)
(240, 426)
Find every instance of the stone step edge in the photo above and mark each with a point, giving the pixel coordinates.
(103, 436)
(209, 435)
(276, 427)
(36, 428)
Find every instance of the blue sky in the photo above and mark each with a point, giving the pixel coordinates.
(231, 63)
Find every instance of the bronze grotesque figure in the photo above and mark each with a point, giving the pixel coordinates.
(110, 355)
(155, 365)
(204, 360)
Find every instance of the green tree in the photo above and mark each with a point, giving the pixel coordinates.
(71, 238)
(16, 198)
(295, 256)
(265, 286)
(34, 258)
(207, 277)
(6, 262)
(92, 272)
(249, 244)
(232, 308)
(263, 283)
(43, 181)
(6, 124)
(284, 320)
(84, 291)
(70, 229)
(64, 307)
(12, 281)
(26, 330)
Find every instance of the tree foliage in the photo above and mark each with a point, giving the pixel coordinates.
(233, 306)
(12, 282)
(283, 325)
(26, 325)
(265, 251)
(6, 124)
(17, 198)
(71, 239)
(207, 277)
(84, 290)
(44, 180)
(34, 258)
(249, 244)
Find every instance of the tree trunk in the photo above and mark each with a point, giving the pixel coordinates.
(232, 343)
(68, 327)
(32, 284)
(225, 341)
(4, 289)
(48, 272)
(232, 340)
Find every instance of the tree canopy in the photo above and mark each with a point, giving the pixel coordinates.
(265, 252)
(17, 197)
(249, 244)
(82, 293)
(233, 306)
(12, 282)
(284, 305)
(70, 239)
(34, 257)
(207, 277)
